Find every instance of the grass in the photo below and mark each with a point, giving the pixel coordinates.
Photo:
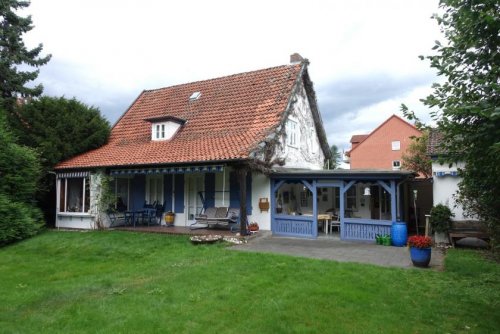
(119, 282)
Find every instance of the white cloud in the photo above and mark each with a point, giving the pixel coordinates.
(106, 52)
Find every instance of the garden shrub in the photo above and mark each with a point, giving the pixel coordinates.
(19, 220)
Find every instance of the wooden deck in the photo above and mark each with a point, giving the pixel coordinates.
(176, 230)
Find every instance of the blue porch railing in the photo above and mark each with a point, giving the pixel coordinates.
(364, 229)
(294, 226)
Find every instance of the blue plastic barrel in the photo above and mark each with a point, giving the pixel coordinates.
(399, 234)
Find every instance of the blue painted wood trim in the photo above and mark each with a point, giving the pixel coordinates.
(315, 208)
(393, 201)
(277, 185)
(209, 190)
(294, 226)
(167, 192)
(272, 185)
(308, 185)
(348, 186)
(341, 210)
(179, 193)
(365, 229)
(138, 192)
(329, 184)
(391, 189)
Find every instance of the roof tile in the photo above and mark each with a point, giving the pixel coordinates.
(230, 117)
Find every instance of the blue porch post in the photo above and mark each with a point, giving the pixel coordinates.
(393, 201)
(315, 209)
(275, 185)
(343, 189)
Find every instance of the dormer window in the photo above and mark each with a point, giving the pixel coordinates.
(159, 131)
(165, 128)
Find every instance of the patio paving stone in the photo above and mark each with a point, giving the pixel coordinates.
(337, 250)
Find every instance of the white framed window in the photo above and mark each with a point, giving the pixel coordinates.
(292, 133)
(396, 164)
(164, 130)
(154, 189)
(74, 194)
(396, 145)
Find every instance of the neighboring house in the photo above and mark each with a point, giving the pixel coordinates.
(383, 147)
(445, 177)
(178, 146)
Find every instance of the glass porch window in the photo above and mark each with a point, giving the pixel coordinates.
(350, 199)
(74, 195)
(122, 186)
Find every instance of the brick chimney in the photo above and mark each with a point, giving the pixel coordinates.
(296, 58)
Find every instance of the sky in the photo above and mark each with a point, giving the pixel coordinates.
(363, 54)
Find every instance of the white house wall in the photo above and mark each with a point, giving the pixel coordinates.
(82, 220)
(307, 154)
(261, 189)
(445, 187)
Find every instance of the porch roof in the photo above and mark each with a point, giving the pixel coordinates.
(344, 174)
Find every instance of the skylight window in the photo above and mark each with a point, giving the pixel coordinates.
(195, 96)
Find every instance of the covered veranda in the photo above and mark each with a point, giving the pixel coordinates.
(359, 203)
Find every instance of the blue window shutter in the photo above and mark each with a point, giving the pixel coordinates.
(179, 193)
(167, 192)
(209, 190)
(138, 192)
(234, 192)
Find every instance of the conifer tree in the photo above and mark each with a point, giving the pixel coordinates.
(16, 60)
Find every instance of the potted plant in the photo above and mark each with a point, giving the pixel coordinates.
(441, 222)
(420, 250)
(253, 227)
(169, 218)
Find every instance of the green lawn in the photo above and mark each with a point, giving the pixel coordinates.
(119, 282)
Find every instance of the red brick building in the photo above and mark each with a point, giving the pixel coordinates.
(384, 146)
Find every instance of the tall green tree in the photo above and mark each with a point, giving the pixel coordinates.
(58, 128)
(16, 60)
(334, 161)
(466, 105)
(415, 158)
(19, 173)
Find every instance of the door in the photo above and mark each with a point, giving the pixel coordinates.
(195, 183)
(154, 189)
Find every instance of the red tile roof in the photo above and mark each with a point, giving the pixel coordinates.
(232, 115)
(358, 138)
(434, 142)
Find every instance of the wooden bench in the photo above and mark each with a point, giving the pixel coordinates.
(468, 229)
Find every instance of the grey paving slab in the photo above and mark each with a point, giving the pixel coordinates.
(337, 250)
